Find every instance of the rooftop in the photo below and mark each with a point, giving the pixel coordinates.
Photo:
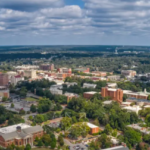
(117, 148)
(92, 125)
(10, 129)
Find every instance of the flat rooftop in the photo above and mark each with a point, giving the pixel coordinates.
(12, 128)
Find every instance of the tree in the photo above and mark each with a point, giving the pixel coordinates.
(4, 99)
(147, 120)
(22, 112)
(131, 137)
(33, 108)
(12, 105)
(66, 123)
(40, 143)
(125, 97)
(108, 129)
(46, 139)
(28, 147)
(148, 98)
(104, 141)
(60, 140)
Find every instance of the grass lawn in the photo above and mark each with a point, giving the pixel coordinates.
(30, 99)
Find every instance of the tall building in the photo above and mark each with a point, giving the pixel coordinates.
(30, 74)
(4, 79)
(19, 135)
(115, 94)
(47, 67)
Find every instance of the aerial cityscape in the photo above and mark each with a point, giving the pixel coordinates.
(74, 75)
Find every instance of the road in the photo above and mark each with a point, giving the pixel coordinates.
(79, 146)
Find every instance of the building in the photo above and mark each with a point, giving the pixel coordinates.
(47, 67)
(70, 96)
(30, 74)
(143, 130)
(137, 95)
(19, 135)
(112, 85)
(138, 101)
(134, 108)
(89, 95)
(122, 147)
(70, 84)
(62, 76)
(26, 67)
(4, 80)
(82, 69)
(113, 78)
(4, 92)
(115, 94)
(65, 70)
(10, 74)
(98, 78)
(128, 73)
(55, 123)
(93, 128)
(88, 85)
(56, 89)
(15, 79)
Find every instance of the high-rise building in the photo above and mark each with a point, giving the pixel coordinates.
(4, 79)
(47, 67)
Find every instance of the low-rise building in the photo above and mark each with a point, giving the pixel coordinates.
(19, 135)
(88, 85)
(15, 79)
(82, 69)
(94, 129)
(89, 95)
(128, 73)
(65, 70)
(134, 108)
(55, 123)
(137, 95)
(117, 148)
(56, 89)
(70, 96)
(113, 78)
(70, 84)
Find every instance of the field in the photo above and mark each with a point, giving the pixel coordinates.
(30, 99)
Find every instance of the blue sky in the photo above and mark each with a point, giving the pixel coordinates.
(77, 22)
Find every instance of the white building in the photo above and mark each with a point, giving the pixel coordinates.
(15, 79)
(88, 85)
(134, 108)
(30, 74)
(56, 89)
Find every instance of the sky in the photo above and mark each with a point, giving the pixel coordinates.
(75, 22)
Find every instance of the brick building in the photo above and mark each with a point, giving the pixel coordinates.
(65, 70)
(89, 95)
(93, 128)
(4, 79)
(19, 135)
(115, 94)
(48, 67)
(82, 69)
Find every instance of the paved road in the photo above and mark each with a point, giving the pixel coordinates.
(79, 146)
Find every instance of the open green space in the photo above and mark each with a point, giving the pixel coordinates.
(30, 99)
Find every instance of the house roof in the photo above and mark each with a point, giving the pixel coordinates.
(24, 133)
